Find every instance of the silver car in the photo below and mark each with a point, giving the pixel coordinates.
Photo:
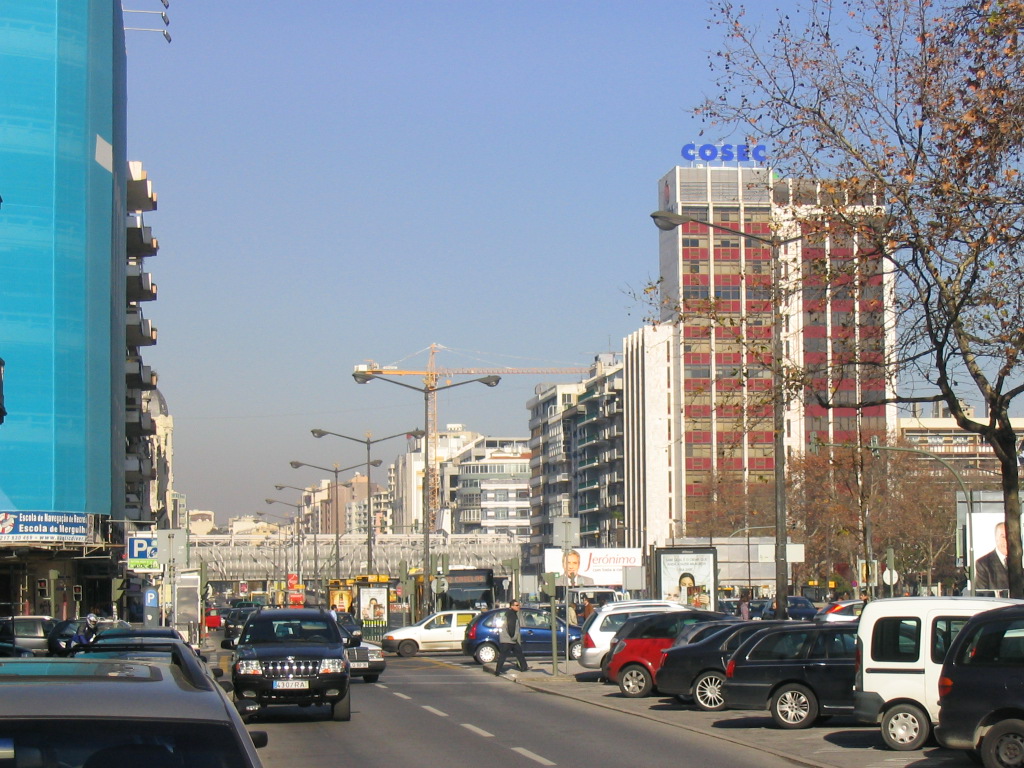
(840, 610)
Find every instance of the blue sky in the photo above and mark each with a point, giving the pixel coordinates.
(344, 181)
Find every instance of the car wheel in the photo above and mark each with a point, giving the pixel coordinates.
(371, 678)
(407, 648)
(486, 653)
(794, 706)
(341, 710)
(575, 651)
(707, 691)
(905, 727)
(1003, 745)
(635, 681)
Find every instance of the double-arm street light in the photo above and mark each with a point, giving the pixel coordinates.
(667, 221)
(337, 511)
(318, 433)
(428, 391)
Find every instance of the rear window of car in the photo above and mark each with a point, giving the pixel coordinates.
(834, 645)
(896, 638)
(994, 643)
(779, 646)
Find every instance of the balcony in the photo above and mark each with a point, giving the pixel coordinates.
(139, 331)
(139, 241)
(138, 423)
(139, 284)
(137, 375)
(137, 469)
(141, 196)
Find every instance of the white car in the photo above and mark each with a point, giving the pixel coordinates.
(603, 623)
(441, 631)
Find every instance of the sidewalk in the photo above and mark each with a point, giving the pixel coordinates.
(841, 743)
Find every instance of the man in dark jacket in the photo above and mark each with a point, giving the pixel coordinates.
(510, 639)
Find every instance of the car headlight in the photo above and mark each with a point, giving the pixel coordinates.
(389, 637)
(249, 667)
(375, 654)
(332, 666)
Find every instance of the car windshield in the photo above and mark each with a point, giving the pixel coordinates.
(290, 631)
(91, 743)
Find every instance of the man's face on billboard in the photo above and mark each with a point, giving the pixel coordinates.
(572, 564)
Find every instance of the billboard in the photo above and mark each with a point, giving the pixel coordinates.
(591, 567)
(43, 527)
(687, 574)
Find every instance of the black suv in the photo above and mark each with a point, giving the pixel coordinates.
(291, 656)
(981, 689)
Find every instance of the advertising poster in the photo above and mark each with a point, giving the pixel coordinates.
(373, 603)
(688, 575)
(989, 574)
(591, 567)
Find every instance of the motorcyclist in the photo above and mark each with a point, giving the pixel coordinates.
(86, 633)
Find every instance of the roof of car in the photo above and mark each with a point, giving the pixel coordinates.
(57, 687)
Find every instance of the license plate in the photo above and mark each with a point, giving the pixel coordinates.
(360, 665)
(291, 685)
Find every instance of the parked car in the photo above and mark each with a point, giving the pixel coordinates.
(291, 656)
(798, 608)
(636, 648)
(215, 617)
(12, 651)
(27, 631)
(799, 672)
(903, 642)
(603, 623)
(96, 713)
(981, 689)
(481, 639)
(697, 669)
(443, 631)
(58, 640)
(840, 610)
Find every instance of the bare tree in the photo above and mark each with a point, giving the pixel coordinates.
(908, 116)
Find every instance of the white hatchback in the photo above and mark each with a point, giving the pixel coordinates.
(603, 623)
(442, 631)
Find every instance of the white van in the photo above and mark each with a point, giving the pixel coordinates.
(901, 644)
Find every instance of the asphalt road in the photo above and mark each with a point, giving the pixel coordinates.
(445, 707)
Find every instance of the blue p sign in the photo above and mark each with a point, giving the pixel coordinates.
(141, 548)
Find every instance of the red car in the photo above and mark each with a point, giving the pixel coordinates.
(215, 618)
(637, 647)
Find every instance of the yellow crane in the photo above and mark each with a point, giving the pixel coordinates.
(430, 378)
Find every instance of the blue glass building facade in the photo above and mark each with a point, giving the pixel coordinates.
(62, 266)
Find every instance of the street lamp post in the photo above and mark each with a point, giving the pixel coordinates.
(318, 433)
(337, 512)
(428, 391)
(667, 221)
(312, 493)
(298, 528)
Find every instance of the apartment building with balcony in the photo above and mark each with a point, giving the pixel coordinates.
(488, 487)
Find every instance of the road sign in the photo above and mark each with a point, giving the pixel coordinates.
(890, 577)
(142, 555)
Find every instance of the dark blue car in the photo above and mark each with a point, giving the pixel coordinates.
(481, 640)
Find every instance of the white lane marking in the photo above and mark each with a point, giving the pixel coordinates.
(477, 731)
(532, 756)
(403, 696)
(437, 712)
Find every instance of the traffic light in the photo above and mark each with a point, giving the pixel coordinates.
(76, 591)
(43, 587)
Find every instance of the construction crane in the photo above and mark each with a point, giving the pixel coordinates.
(430, 378)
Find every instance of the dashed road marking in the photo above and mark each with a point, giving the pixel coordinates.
(437, 712)
(477, 731)
(533, 756)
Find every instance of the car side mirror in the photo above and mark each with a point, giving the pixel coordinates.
(259, 739)
(353, 641)
(226, 686)
(229, 645)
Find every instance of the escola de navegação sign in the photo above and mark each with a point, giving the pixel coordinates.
(726, 152)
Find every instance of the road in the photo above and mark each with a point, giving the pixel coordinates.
(444, 707)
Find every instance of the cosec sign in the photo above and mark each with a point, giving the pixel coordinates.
(725, 152)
